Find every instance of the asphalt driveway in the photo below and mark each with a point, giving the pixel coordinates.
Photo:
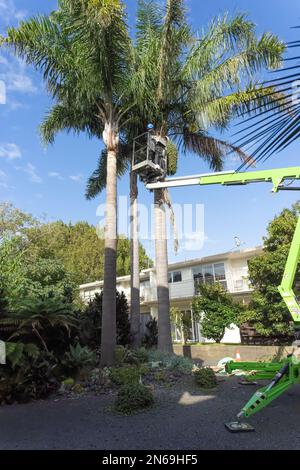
(183, 418)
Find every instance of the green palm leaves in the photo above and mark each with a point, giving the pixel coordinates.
(187, 83)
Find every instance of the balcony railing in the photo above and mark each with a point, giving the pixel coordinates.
(178, 290)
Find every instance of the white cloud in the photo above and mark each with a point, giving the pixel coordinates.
(3, 181)
(10, 151)
(30, 170)
(9, 12)
(14, 76)
(55, 174)
(19, 82)
(77, 178)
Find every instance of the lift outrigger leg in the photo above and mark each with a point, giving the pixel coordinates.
(282, 374)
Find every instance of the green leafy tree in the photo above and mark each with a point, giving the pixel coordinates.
(267, 312)
(216, 311)
(80, 249)
(13, 221)
(26, 274)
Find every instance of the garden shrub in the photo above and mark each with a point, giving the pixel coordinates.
(77, 359)
(127, 374)
(90, 321)
(160, 376)
(206, 378)
(154, 355)
(171, 361)
(28, 378)
(141, 355)
(132, 398)
(125, 355)
(151, 337)
(45, 322)
(180, 364)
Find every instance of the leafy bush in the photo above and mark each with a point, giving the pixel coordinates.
(79, 358)
(205, 377)
(154, 355)
(132, 398)
(127, 374)
(16, 353)
(45, 322)
(171, 361)
(90, 321)
(141, 355)
(151, 337)
(161, 376)
(125, 355)
(3, 301)
(27, 376)
(180, 364)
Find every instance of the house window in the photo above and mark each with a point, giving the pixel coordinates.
(219, 273)
(210, 274)
(174, 276)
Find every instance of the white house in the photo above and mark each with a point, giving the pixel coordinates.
(230, 269)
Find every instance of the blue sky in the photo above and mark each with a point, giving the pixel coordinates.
(52, 181)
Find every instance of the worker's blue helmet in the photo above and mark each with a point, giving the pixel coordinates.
(150, 126)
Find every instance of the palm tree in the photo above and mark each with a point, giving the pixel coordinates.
(84, 52)
(95, 185)
(186, 85)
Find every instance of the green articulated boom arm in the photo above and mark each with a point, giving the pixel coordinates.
(286, 373)
(277, 177)
(283, 374)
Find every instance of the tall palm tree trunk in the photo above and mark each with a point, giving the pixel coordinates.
(161, 263)
(134, 263)
(108, 332)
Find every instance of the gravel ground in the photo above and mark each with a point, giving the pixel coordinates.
(183, 418)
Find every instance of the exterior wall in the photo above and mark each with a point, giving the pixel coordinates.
(181, 293)
(211, 354)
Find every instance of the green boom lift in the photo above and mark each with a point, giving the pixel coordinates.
(282, 374)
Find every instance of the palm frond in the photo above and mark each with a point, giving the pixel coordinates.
(219, 111)
(269, 133)
(65, 117)
(97, 181)
(149, 21)
(211, 149)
